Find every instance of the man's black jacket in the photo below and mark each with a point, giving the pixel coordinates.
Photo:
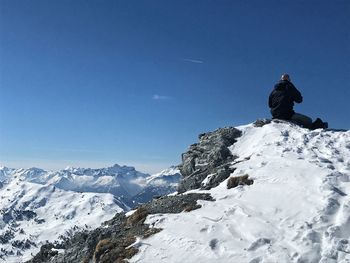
(282, 98)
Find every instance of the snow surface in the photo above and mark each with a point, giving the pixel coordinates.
(297, 210)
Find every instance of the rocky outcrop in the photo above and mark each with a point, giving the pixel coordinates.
(207, 163)
(112, 242)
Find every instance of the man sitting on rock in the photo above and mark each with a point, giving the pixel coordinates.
(281, 102)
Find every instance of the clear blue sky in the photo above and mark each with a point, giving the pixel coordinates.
(92, 83)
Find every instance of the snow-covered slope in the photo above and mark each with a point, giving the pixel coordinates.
(32, 214)
(38, 205)
(297, 209)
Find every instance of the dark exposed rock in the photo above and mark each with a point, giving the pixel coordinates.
(238, 180)
(39, 220)
(175, 204)
(109, 250)
(25, 215)
(209, 159)
(111, 242)
(23, 244)
(261, 122)
(6, 237)
(7, 217)
(18, 215)
(45, 253)
(138, 217)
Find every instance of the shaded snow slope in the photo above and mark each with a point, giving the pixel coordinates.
(297, 210)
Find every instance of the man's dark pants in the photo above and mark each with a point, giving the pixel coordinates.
(302, 120)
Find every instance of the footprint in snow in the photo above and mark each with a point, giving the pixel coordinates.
(343, 245)
(338, 191)
(204, 229)
(262, 164)
(258, 243)
(213, 219)
(343, 217)
(287, 149)
(256, 260)
(340, 159)
(331, 167)
(213, 243)
(230, 211)
(285, 133)
(332, 206)
(312, 235)
(324, 160)
(299, 150)
(332, 232)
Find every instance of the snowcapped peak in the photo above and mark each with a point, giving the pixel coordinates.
(167, 176)
(31, 174)
(5, 172)
(69, 168)
(5, 169)
(34, 170)
(168, 171)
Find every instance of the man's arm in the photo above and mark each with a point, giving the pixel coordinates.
(296, 95)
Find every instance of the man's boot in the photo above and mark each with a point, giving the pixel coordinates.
(318, 123)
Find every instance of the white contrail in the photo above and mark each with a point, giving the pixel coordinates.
(193, 60)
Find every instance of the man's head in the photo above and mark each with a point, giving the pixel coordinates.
(285, 77)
